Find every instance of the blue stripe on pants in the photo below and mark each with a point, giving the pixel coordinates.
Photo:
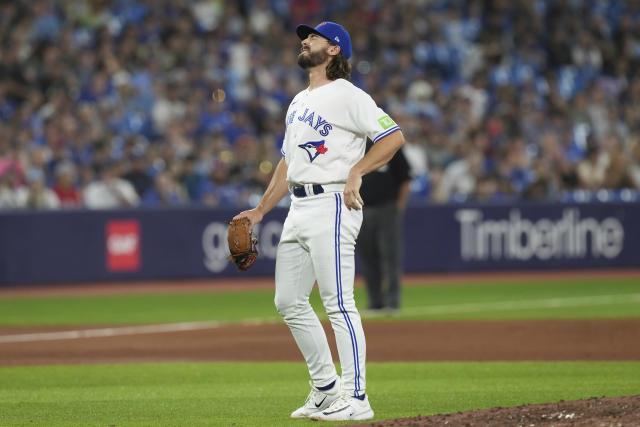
(352, 334)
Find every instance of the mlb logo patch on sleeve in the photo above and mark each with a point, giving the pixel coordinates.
(386, 122)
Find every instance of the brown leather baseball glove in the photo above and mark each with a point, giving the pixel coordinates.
(243, 244)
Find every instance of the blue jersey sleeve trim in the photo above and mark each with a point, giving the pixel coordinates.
(386, 133)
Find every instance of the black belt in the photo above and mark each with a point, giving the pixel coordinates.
(301, 192)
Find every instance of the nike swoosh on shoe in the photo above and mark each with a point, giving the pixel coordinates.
(337, 410)
(321, 402)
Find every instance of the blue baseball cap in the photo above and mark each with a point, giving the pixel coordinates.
(331, 31)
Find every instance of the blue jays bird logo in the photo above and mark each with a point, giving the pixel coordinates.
(309, 147)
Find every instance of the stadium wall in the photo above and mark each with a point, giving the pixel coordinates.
(84, 246)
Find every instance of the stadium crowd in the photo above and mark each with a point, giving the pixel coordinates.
(122, 103)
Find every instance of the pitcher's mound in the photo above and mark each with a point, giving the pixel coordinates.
(604, 411)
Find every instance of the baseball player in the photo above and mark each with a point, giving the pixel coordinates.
(327, 126)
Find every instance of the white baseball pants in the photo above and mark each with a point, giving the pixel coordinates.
(317, 244)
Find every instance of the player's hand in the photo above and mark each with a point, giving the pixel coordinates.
(254, 215)
(352, 197)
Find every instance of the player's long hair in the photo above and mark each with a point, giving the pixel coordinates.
(339, 68)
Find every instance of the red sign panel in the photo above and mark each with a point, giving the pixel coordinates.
(123, 245)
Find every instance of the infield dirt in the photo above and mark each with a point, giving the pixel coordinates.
(602, 339)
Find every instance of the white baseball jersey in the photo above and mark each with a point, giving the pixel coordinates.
(327, 130)
(326, 133)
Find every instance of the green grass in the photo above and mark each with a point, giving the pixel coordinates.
(593, 298)
(590, 298)
(251, 394)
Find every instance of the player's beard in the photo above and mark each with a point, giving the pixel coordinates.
(308, 59)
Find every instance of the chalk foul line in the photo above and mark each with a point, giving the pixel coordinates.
(559, 302)
(123, 330)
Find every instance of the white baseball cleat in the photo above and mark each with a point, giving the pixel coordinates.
(346, 408)
(318, 400)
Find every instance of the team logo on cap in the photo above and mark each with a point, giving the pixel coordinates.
(322, 23)
(310, 146)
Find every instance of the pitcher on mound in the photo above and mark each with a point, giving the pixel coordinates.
(327, 126)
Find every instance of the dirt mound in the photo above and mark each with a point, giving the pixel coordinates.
(604, 411)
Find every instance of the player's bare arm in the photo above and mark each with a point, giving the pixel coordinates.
(379, 154)
(275, 191)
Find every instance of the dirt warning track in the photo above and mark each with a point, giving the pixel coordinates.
(604, 339)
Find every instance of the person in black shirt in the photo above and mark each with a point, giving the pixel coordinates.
(385, 193)
(138, 175)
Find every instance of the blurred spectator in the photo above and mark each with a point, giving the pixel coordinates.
(487, 189)
(592, 169)
(13, 163)
(35, 195)
(190, 178)
(110, 191)
(7, 193)
(220, 191)
(553, 166)
(65, 186)
(138, 175)
(460, 177)
(543, 186)
(165, 192)
(617, 173)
